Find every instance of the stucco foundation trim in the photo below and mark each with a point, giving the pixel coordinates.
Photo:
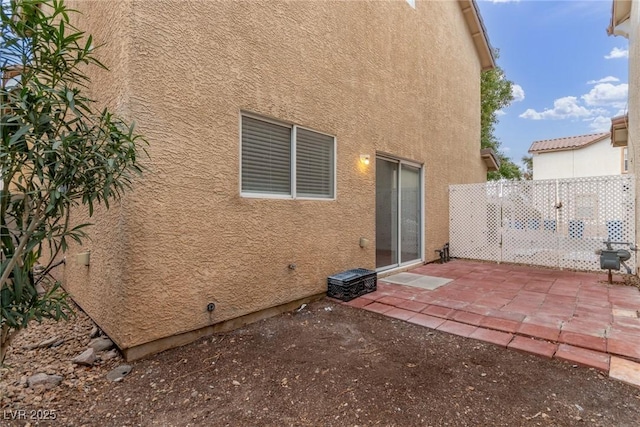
(162, 344)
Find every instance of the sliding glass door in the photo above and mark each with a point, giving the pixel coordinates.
(398, 213)
(386, 213)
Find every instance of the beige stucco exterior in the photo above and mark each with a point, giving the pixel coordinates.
(379, 76)
(625, 21)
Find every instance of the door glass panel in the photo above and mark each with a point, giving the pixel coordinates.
(386, 213)
(410, 203)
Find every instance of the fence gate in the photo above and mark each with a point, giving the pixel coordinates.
(556, 223)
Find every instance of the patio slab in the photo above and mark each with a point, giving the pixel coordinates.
(584, 357)
(625, 371)
(494, 337)
(417, 280)
(426, 320)
(572, 316)
(532, 345)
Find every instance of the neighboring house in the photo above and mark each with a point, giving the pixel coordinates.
(577, 156)
(288, 141)
(625, 22)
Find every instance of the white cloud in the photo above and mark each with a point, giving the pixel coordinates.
(607, 79)
(517, 92)
(608, 95)
(600, 124)
(620, 112)
(616, 52)
(563, 108)
(595, 108)
(500, 113)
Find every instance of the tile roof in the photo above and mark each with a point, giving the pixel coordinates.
(568, 143)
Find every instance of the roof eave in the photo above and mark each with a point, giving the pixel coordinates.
(553, 150)
(490, 158)
(620, 13)
(574, 147)
(478, 33)
(619, 131)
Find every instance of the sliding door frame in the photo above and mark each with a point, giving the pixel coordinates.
(421, 233)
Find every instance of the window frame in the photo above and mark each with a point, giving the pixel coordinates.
(293, 162)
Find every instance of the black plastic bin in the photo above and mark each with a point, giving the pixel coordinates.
(351, 284)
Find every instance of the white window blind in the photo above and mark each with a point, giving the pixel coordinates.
(268, 153)
(314, 164)
(266, 157)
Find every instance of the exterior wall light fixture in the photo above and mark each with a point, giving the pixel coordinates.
(365, 159)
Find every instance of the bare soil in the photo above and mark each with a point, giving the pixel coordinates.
(326, 365)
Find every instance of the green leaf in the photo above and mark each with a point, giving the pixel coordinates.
(59, 151)
(24, 129)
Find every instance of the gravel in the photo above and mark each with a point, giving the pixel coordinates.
(48, 349)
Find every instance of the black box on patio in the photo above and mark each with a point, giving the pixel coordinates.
(351, 284)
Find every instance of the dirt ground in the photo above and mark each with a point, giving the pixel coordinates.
(326, 365)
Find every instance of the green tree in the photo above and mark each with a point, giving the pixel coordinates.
(508, 169)
(58, 152)
(496, 94)
(528, 167)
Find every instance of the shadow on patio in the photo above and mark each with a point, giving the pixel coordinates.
(574, 316)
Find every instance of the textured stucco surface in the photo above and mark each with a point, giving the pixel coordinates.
(634, 101)
(380, 76)
(101, 289)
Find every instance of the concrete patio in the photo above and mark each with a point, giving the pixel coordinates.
(572, 316)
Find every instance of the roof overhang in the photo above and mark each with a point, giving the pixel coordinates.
(620, 13)
(619, 131)
(10, 75)
(478, 33)
(573, 147)
(490, 159)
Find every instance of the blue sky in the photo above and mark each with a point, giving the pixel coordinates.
(571, 76)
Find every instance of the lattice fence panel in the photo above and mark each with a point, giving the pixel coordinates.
(594, 210)
(529, 223)
(558, 223)
(474, 223)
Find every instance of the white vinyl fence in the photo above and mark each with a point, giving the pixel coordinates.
(557, 223)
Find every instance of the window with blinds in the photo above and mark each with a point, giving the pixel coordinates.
(268, 150)
(266, 157)
(314, 164)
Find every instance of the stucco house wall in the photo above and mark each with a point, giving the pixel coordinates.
(382, 77)
(597, 159)
(625, 22)
(634, 100)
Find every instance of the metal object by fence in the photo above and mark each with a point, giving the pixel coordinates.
(556, 223)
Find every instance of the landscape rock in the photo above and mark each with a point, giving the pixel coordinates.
(94, 332)
(87, 357)
(119, 373)
(57, 343)
(48, 343)
(40, 289)
(23, 362)
(101, 344)
(109, 355)
(43, 344)
(48, 381)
